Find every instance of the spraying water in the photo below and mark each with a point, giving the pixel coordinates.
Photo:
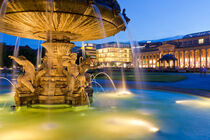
(39, 55)
(49, 14)
(3, 8)
(15, 54)
(8, 81)
(98, 85)
(99, 17)
(122, 69)
(130, 38)
(8, 96)
(110, 79)
(133, 49)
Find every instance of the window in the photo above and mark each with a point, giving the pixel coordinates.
(185, 43)
(189, 43)
(207, 40)
(201, 41)
(195, 41)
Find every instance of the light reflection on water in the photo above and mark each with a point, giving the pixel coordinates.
(195, 103)
(144, 115)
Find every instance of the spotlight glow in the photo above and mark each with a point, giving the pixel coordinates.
(19, 135)
(119, 94)
(124, 93)
(83, 114)
(130, 122)
(49, 126)
(201, 103)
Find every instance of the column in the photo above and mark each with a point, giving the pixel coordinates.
(145, 61)
(200, 57)
(142, 61)
(157, 58)
(164, 64)
(152, 60)
(179, 59)
(206, 57)
(194, 58)
(150, 57)
(189, 57)
(184, 58)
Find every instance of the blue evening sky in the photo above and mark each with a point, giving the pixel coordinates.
(153, 19)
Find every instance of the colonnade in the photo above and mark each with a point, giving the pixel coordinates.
(186, 58)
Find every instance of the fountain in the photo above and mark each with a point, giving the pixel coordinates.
(58, 80)
(58, 91)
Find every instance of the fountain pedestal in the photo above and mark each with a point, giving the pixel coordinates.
(59, 80)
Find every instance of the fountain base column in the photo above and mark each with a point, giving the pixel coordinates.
(59, 80)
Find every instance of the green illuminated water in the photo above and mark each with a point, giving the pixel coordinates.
(118, 117)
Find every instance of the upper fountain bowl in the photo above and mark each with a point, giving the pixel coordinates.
(73, 19)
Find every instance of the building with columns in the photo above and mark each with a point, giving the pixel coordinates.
(192, 51)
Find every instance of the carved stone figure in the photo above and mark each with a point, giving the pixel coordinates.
(125, 16)
(42, 70)
(85, 66)
(72, 71)
(26, 79)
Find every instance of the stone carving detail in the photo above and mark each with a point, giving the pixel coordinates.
(25, 80)
(59, 80)
(24, 88)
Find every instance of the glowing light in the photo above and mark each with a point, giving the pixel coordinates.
(202, 103)
(49, 126)
(129, 122)
(82, 114)
(137, 122)
(124, 93)
(145, 124)
(201, 41)
(19, 135)
(150, 61)
(154, 129)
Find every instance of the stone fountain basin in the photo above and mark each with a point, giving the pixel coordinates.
(74, 19)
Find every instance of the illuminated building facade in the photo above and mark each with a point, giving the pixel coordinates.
(89, 51)
(192, 51)
(110, 55)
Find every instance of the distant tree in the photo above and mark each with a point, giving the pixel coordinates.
(6, 51)
(29, 53)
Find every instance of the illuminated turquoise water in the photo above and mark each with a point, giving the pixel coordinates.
(138, 116)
